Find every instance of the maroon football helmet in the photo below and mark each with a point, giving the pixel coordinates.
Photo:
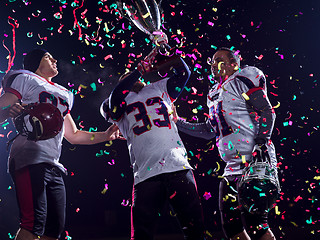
(46, 121)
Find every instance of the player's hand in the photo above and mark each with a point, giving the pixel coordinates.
(174, 113)
(114, 133)
(146, 64)
(15, 110)
(260, 153)
(159, 38)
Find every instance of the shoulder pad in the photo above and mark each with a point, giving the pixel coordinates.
(252, 77)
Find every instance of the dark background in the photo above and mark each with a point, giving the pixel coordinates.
(279, 37)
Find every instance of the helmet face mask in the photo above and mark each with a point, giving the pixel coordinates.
(45, 121)
(259, 188)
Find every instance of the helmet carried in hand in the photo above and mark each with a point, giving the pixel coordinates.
(259, 186)
(45, 121)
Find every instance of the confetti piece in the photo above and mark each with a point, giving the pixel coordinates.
(207, 195)
(245, 96)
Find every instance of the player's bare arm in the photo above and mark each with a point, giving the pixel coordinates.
(75, 136)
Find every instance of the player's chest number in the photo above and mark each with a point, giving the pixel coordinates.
(47, 97)
(143, 116)
(217, 115)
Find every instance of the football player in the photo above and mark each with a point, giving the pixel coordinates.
(157, 154)
(34, 165)
(241, 119)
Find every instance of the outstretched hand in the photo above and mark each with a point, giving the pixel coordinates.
(159, 38)
(114, 133)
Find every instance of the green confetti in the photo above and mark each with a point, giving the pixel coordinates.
(258, 189)
(94, 87)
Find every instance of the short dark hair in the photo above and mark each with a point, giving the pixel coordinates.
(233, 55)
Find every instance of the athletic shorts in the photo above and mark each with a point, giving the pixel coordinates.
(234, 218)
(41, 198)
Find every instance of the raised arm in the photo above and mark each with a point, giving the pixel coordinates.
(117, 105)
(176, 83)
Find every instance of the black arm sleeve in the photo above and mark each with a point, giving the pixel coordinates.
(200, 130)
(180, 78)
(117, 105)
(260, 103)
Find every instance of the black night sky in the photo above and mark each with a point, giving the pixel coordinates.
(94, 45)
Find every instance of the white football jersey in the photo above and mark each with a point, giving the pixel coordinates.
(235, 125)
(30, 88)
(152, 137)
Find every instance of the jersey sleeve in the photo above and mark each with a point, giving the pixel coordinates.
(71, 100)
(200, 130)
(253, 89)
(18, 84)
(253, 79)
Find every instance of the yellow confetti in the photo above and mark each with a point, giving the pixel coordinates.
(278, 105)
(316, 178)
(233, 197)
(146, 15)
(294, 224)
(106, 27)
(276, 209)
(83, 86)
(245, 96)
(243, 158)
(219, 65)
(104, 191)
(172, 214)
(92, 137)
(209, 234)
(218, 168)
(108, 144)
